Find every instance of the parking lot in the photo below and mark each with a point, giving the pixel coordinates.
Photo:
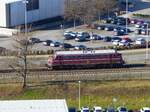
(101, 35)
(93, 41)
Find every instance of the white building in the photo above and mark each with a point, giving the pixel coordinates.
(12, 12)
(33, 106)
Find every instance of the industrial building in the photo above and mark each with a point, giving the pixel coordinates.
(14, 12)
(58, 105)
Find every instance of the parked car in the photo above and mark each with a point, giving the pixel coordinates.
(116, 38)
(144, 32)
(116, 29)
(114, 21)
(83, 34)
(115, 42)
(138, 25)
(108, 20)
(145, 25)
(109, 28)
(67, 32)
(55, 44)
(85, 109)
(122, 109)
(110, 109)
(34, 40)
(69, 36)
(121, 23)
(72, 109)
(119, 33)
(107, 39)
(80, 39)
(138, 31)
(145, 109)
(97, 109)
(47, 42)
(124, 43)
(65, 45)
(127, 39)
(95, 37)
(79, 47)
(133, 21)
(140, 41)
(101, 27)
(125, 30)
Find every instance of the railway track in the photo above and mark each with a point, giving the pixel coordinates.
(45, 76)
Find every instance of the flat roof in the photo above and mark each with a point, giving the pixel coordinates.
(85, 52)
(34, 106)
(9, 1)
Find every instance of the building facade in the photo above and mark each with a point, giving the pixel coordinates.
(12, 12)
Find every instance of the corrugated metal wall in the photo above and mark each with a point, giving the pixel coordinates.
(47, 9)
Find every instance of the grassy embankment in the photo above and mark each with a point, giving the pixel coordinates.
(133, 94)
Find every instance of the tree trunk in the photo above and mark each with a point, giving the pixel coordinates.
(24, 82)
(74, 23)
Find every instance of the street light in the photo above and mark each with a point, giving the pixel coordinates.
(79, 93)
(114, 101)
(126, 15)
(25, 2)
(146, 59)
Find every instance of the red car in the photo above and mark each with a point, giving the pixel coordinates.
(85, 58)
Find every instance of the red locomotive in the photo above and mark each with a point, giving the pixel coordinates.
(87, 58)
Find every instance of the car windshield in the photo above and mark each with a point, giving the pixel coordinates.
(98, 111)
(147, 110)
(85, 110)
(123, 109)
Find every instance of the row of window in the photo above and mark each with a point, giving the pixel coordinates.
(85, 57)
(32, 5)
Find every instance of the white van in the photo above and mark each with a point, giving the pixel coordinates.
(97, 109)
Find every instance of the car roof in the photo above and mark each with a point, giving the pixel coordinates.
(140, 39)
(146, 108)
(85, 52)
(97, 107)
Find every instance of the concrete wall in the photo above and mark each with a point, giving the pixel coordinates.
(3, 15)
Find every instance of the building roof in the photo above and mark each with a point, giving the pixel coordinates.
(9, 1)
(33, 106)
(85, 52)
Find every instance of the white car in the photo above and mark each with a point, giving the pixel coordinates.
(97, 109)
(145, 109)
(115, 42)
(140, 41)
(85, 109)
(122, 109)
(67, 32)
(124, 43)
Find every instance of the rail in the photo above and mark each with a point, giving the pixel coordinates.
(45, 76)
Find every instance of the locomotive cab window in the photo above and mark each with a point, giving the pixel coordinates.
(32, 5)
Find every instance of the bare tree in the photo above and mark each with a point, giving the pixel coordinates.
(20, 64)
(109, 5)
(100, 7)
(87, 11)
(72, 10)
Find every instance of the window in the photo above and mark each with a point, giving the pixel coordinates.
(32, 5)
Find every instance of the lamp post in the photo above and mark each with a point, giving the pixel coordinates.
(126, 16)
(146, 58)
(79, 82)
(114, 101)
(25, 2)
